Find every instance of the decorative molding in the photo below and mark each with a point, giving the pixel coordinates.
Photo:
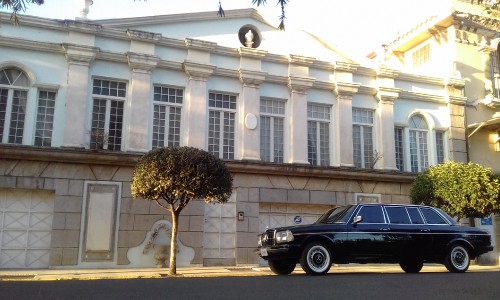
(367, 90)
(386, 72)
(199, 45)
(142, 62)
(347, 89)
(300, 84)
(422, 97)
(143, 35)
(252, 52)
(387, 94)
(346, 66)
(301, 60)
(251, 78)
(197, 71)
(82, 55)
(420, 78)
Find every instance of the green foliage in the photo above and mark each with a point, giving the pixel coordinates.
(180, 174)
(18, 6)
(462, 190)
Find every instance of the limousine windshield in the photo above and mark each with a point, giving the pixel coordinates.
(339, 214)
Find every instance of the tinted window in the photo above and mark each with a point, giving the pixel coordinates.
(432, 217)
(337, 215)
(397, 215)
(415, 216)
(371, 214)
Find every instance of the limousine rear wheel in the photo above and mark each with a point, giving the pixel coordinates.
(282, 267)
(457, 259)
(316, 259)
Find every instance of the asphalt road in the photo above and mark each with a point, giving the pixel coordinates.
(473, 285)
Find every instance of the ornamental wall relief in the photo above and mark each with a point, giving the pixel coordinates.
(155, 249)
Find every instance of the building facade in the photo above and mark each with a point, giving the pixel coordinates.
(462, 42)
(301, 127)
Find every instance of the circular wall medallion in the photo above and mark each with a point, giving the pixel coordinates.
(251, 121)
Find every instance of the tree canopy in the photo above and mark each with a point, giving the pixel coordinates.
(18, 6)
(174, 176)
(461, 190)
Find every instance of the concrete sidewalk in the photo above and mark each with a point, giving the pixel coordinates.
(237, 271)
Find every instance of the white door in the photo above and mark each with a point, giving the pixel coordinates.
(25, 228)
(219, 234)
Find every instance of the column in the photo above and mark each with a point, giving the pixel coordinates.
(298, 118)
(79, 59)
(195, 123)
(345, 92)
(386, 144)
(139, 103)
(249, 110)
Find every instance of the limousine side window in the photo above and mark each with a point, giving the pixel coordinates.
(397, 215)
(415, 216)
(371, 214)
(432, 217)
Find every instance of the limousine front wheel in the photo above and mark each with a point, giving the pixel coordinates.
(282, 267)
(457, 259)
(316, 259)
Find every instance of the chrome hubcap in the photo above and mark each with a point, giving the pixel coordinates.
(459, 258)
(318, 259)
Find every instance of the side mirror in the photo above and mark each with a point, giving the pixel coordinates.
(357, 219)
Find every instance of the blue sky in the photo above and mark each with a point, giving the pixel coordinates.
(359, 25)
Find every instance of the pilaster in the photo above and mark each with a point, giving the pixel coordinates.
(249, 110)
(344, 93)
(79, 59)
(140, 101)
(298, 118)
(385, 112)
(195, 122)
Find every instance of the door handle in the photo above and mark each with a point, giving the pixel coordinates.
(425, 230)
(384, 229)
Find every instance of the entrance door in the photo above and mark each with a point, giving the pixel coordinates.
(219, 236)
(25, 228)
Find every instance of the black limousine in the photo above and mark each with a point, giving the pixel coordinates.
(410, 235)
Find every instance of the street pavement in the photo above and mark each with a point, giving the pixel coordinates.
(245, 270)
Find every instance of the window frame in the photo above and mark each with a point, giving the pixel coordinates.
(321, 156)
(275, 141)
(112, 103)
(365, 156)
(167, 137)
(226, 151)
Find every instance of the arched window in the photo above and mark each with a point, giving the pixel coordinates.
(419, 150)
(13, 97)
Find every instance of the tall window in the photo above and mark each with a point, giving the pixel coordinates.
(440, 147)
(419, 152)
(421, 56)
(272, 119)
(399, 142)
(362, 131)
(13, 96)
(167, 116)
(495, 72)
(107, 114)
(318, 134)
(45, 118)
(221, 124)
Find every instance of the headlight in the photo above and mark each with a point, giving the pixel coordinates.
(284, 236)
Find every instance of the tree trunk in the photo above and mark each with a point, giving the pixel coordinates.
(173, 244)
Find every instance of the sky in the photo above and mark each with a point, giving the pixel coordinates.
(357, 25)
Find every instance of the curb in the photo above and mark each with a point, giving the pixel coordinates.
(204, 272)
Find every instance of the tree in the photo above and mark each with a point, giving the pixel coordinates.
(461, 190)
(174, 176)
(18, 6)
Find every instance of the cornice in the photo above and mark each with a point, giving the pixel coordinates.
(347, 88)
(130, 159)
(276, 79)
(252, 78)
(300, 84)
(366, 90)
(200, 45)
(325, 85)
(142, 62)
(77, 54)
(231, 73)
(143, 35)
(30, 45)
(386, 72)
(420, 78)
(251, 52)
(346, 66)
(301, 60)
(365, 71)
(422, 97)
(197, 70)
